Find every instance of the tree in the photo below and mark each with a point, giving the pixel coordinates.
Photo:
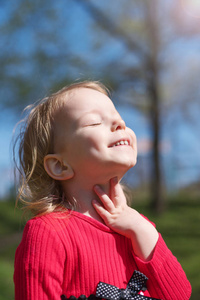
(33, 49)
(146, 50)
(142, 27)
(123, 43)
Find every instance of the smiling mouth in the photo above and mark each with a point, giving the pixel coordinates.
(121, 143)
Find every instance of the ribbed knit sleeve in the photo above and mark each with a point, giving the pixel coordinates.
(39, 263)
(166, 278)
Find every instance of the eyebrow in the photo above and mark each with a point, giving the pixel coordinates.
(94, 111)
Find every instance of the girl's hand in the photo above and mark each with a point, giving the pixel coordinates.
(113, 208)
(126, 221)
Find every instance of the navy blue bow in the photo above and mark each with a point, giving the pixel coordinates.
(134, 286)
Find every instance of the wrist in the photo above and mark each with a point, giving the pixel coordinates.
(143, 236)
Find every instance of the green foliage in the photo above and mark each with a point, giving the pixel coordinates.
(10, 218)
(179, 226)
(6, 273)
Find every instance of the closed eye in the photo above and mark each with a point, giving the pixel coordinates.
(91, 124)
(94, 124)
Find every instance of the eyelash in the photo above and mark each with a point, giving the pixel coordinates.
(94, 124)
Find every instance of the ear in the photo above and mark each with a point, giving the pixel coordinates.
(56, 168)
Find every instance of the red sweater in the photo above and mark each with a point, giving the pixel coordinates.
(70, 255)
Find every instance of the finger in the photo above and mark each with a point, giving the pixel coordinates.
(106, 201)
(116, 192)
(103, 213)
(113, 187)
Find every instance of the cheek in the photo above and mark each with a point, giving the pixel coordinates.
(133, 137)
(85, 146)
(92, 139)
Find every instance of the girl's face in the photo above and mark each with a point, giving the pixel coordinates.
(92, 137)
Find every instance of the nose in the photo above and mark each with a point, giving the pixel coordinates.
(118, 124)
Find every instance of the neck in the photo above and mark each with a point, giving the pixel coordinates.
(84, 195)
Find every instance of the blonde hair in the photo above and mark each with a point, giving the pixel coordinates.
(40, 193)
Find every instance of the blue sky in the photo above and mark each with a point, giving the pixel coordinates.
(180, 138)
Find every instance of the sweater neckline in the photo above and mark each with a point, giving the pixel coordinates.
(90, 220)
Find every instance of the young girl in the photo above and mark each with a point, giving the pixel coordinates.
(84, 241)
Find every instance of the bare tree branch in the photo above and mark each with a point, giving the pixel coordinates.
(113, 29)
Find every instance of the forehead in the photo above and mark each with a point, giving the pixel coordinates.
(84, 100)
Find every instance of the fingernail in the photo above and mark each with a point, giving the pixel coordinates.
(95, 202)
(115, 179)
(96, 187)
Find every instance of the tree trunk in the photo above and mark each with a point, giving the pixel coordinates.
(157, 200)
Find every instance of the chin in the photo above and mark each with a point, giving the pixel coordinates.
(134, 162)
(125, 167)
(130, 163)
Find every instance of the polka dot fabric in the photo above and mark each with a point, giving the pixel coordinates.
(135, 285)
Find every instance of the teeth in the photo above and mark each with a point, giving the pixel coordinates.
(121, 143)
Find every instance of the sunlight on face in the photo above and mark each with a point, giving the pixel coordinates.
(92, 138)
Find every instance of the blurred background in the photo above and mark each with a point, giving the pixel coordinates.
(148, 54)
